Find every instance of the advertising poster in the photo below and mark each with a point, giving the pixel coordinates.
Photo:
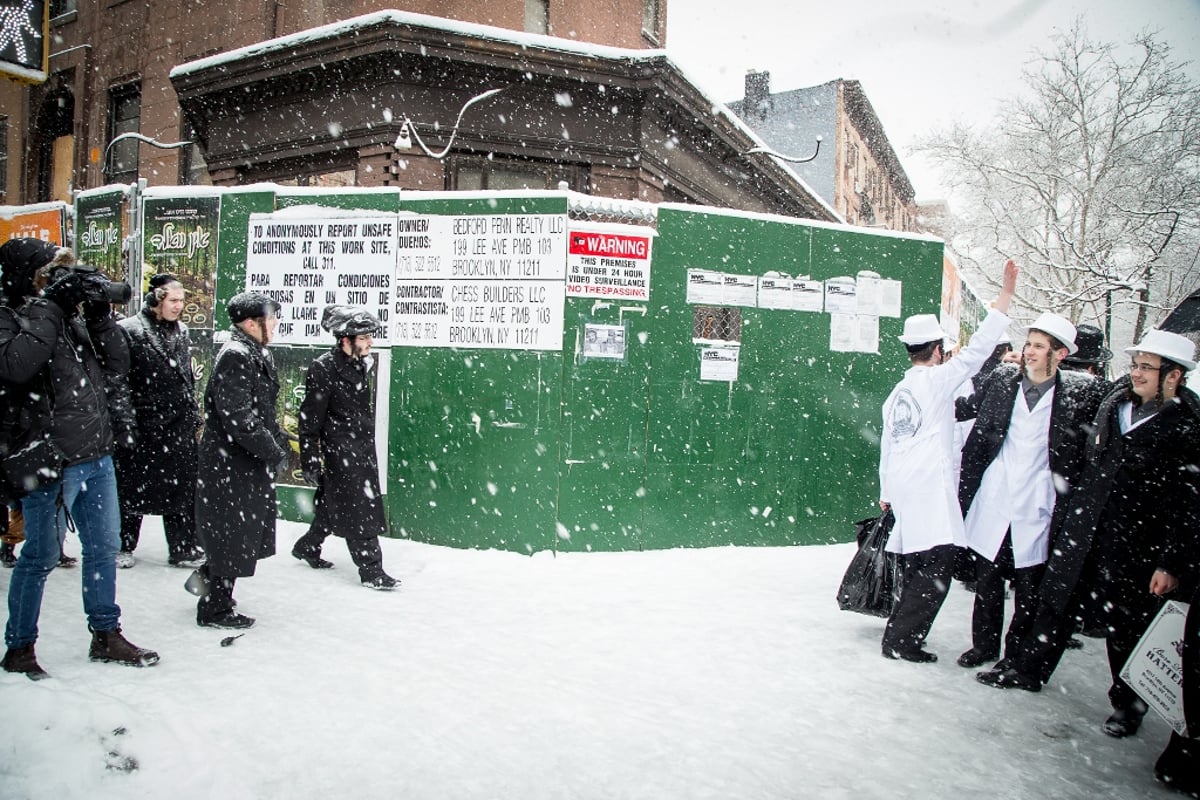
(45, 221)
(179, 236)
(99, 232)
(308, 263)
(485, 281)
(608, 260)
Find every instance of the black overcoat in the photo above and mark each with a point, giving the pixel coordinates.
(1144, 486)
(337, 439)
(158, 475)
(1076, 399)
(239, 452)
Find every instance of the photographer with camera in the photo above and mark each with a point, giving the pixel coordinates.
(61, 363)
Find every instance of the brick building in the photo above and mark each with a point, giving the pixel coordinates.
(856, 170)
(320, 91)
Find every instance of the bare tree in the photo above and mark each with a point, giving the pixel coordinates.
(1090, 178)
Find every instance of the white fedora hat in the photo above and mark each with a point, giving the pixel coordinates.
(922, 329)
(1168, 345)
(1054, 325)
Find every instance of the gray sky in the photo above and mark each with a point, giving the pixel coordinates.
(923, 63)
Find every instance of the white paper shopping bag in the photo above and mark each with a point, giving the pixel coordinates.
(1155, 670)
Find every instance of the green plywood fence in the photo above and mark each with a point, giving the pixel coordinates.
(532, 450)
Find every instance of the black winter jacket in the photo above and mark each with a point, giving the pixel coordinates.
(337, 439)
(158, 474)
(83, 363)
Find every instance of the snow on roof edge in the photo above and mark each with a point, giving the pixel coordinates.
(334, 29)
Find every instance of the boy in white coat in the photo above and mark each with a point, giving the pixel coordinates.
(916, 468)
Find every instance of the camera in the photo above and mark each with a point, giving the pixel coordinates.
(96, 287)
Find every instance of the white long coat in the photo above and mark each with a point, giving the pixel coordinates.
(917, 461)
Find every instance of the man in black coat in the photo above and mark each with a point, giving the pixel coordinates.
(337, 448)
(1179, 764)
(240, 452)
(63, 400)
(1020, 462)
(156, 474)
(1132, 528)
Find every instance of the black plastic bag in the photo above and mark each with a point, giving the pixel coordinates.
(872, 581)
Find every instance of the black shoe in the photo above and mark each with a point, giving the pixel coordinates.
(113, 648)
(8, 558)
(1123, 722)
(22, 659)
(1074, 643)
(382, 582)
(976, 658)
(66, 562)
(1008, 679)
(917, 656)
(230, 619)
(314, 561)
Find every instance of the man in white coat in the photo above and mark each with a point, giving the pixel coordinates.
(1024, 453)
(917, 464)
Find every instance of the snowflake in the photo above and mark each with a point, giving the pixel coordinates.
(14, 22)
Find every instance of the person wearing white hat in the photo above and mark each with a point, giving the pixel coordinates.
(916, 468)
(1024, 454)
(1131, 531)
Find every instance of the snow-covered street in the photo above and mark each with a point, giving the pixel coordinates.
(722, 673)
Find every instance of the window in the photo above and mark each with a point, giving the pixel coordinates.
(650, 20)
(124, 116)
(326, 180)
(60, 7)
(537, 16)
(193, 171)
(477, 173)
(3, 156)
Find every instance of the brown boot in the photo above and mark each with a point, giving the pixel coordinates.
(111, 646)
(22, 659)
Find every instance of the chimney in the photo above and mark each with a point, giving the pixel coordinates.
(758, 93)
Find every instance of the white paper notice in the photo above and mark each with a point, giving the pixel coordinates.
(868, 294)
(853, 333)
(481, 281)
(719, 364)
(841, 333)
(889, 300)
(841, 296)
(740, 290)
(309, 263)
(775, 292)
(704, 287)
(808, 295)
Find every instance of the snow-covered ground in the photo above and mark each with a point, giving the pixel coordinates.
(722, 673)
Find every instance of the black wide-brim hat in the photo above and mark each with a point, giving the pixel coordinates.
(1092, 351)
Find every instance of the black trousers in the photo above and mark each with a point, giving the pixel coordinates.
(927, 577)
(219, 600)
(365, 552)
(180, 530)
(1129, 613)
(987, 619)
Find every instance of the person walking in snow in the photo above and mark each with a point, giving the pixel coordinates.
(1025, 450)
(57, 371)
(241, 450)
(156, 473)
(916, 469)
(337, 448)
(1131, 533)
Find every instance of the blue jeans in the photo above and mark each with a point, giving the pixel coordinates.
(89, 492)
